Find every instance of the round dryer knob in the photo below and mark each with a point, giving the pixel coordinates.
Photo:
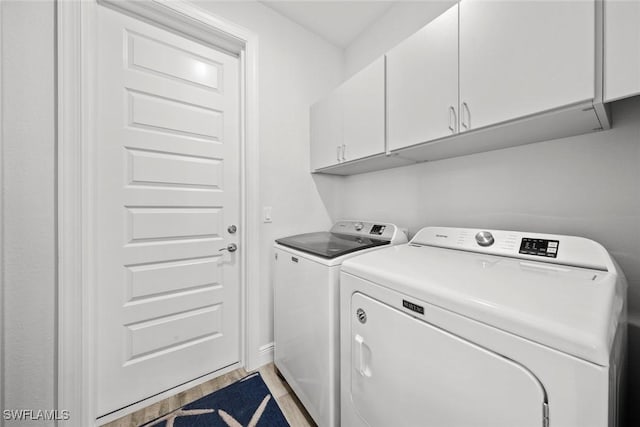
(358, 226)
(484, 238)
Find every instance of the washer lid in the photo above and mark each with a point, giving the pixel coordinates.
(571, 309)
(330, 245)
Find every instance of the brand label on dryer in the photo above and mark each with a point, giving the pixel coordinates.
(413, 307)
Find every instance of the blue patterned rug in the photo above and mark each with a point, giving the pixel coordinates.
(245, 403)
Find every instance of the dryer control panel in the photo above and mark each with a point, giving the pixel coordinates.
(539, 247)
(556, 249)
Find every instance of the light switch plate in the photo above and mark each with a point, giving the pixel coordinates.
(266, 214)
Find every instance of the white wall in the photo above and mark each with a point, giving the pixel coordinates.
(28, 216)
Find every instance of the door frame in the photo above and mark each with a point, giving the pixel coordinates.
(75, 25)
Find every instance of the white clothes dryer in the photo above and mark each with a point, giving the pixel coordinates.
(464, 327)
(306, 316)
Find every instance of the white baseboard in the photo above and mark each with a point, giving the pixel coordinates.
(265, 354)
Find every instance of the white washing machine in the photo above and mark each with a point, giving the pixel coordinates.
(306, 317)
(467, 328)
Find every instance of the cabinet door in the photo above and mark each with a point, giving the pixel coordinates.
(422, 83)
(621, 49)
(326, 131)
(364, 112)
(519, 58)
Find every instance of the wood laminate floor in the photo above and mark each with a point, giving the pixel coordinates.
(291, 407)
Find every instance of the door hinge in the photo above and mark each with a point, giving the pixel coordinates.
(545, 414)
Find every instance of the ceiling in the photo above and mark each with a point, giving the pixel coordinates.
(338, 22)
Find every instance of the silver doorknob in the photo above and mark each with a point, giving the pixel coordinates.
(231, 247)
(232, 229)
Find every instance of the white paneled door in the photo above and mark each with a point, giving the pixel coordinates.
(166, 190)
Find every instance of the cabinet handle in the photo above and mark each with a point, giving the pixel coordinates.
(338, 153)
(466, 125)
(453, 119)
(344, 149)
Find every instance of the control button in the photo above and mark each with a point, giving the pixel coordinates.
(484, 238)
(553, 244)
(551, 250)
(358, 226)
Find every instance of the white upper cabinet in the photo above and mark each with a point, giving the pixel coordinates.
(621, 49)
(519, 58)
(422, 84)
(326, 131)
(364, 112)
(484, 75)
(349, 124)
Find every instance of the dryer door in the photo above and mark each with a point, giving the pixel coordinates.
(407, 372)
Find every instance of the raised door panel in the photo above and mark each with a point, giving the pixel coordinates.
(519, 58)
(326, 131)
(422, 84)
(405, 371)
(621, 49)
(364, 112)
